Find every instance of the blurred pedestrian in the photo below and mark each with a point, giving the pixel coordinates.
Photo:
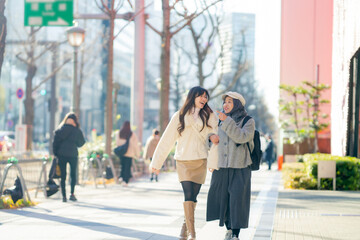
(189, 128)
(133, 151)
(269, 151)
(68, 138)
(230, 187)
(149, 149)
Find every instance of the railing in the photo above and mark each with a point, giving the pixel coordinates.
(32, 168)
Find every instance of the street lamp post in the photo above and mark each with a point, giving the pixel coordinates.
(75, 36)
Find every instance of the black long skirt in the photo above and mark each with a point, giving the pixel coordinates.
(126, 163)
(229, 197)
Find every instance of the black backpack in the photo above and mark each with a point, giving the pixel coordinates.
(256, 153)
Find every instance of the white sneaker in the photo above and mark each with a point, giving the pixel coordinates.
(228, 235)
(234, 238)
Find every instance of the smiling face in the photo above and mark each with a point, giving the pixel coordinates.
(228, 104)
(201, 100)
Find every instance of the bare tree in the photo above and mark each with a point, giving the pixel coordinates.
(205, 33)
(2, 32)
(168, 31)
(178, 73)
(30, 55)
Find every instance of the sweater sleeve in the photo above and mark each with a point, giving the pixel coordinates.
(236, 133)
(213, 122)
(136, 145)
(56, 143)
(166, 142)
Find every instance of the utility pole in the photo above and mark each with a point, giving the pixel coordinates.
(53, 100)
(137, 90)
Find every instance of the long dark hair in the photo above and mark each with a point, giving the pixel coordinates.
(71, 115)
(190, 104)
(125, 131)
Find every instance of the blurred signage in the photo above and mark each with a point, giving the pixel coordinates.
(19, 93)
(48, 13)
(20, 137)
(10, 123)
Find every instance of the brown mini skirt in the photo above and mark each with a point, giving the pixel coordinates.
(191, 170)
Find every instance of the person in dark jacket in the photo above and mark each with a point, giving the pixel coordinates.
(269, 151)
(230, 187)
(68, 138)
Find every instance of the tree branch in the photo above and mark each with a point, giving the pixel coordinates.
(132, 18)
(192, 17)
(21, 59)
(51, 75)
(153, 28)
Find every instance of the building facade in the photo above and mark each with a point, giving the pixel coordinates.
(306, 50)
(346, 79)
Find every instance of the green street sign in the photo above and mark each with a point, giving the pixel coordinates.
(48, 13)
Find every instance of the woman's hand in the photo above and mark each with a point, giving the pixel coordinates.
(211, 170)
(214, 139)
(222, 116)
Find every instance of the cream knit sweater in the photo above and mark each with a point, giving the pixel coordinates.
(190, 146)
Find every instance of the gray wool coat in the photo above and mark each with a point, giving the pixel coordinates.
(230, 133)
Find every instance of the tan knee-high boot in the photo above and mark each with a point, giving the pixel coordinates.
(184, 231)
(189, 210)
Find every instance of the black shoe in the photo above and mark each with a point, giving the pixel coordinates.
(64, 199)
(72, 198)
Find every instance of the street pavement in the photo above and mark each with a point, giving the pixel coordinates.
(153, 211)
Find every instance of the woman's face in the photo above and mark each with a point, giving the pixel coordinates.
(201, 100)
(70, 121)
(228, 104)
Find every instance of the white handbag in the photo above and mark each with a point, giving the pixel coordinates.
(213, 157)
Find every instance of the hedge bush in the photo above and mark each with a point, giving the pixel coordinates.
(347, 171)
(296, 177)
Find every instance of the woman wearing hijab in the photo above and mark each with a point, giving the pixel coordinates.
(230, 187)
(190, 128)
(68, 138)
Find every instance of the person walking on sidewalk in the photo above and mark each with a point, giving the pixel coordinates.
(230, 188)
(133, 151)
(269, 151)
(67, 139)
(149, 149)
(189, 128)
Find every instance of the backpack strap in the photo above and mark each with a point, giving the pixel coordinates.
(242, 125)
(245, 120)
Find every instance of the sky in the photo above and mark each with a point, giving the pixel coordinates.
(267, 45)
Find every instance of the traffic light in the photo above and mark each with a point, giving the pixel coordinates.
(43, 92)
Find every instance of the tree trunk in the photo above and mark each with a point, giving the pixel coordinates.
(29, 104)
(109, 105)
(165, 68)
(2, 32)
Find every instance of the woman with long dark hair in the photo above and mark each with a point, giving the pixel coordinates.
(68, 138)
(133, 150)
(230, 187)
(189, 128)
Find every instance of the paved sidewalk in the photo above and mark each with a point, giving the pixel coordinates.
(154, 211)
